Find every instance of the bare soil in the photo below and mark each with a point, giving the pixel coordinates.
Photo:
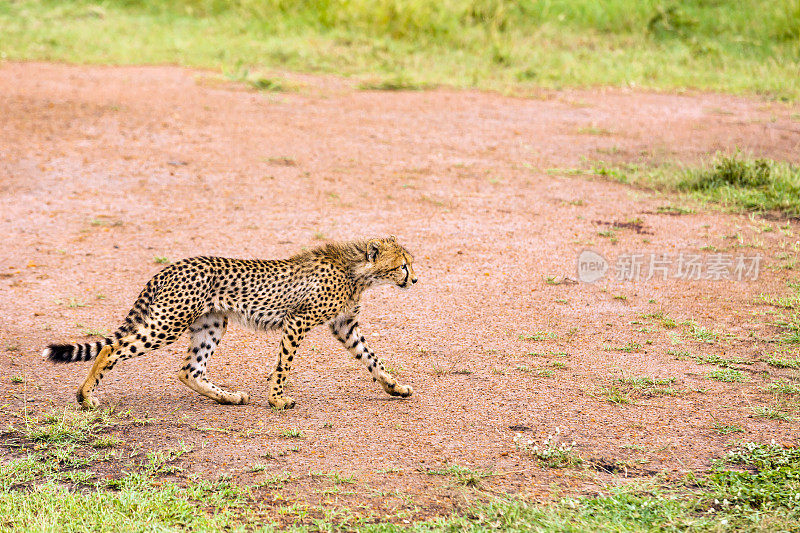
(102, 170)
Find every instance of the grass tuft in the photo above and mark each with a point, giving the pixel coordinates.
(292, 433)
(783, 363)
(647, 387)
(394, 83)
(750, 184)
(551, 452)
(727, 375)
(734, 181)
(727, 429)
(64, 427)
(462, 475)
(783, 386)
(615, 395)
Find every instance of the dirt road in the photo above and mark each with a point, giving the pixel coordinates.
(105, 171)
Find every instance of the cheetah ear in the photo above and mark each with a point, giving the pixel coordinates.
(392, 238)
(373, 248)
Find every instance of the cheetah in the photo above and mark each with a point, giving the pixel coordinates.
(200, 294)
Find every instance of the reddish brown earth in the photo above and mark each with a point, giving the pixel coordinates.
(103, 169)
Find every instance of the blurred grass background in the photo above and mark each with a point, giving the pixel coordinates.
(747, 46)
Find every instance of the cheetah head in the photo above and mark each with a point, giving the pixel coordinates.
(390, 263)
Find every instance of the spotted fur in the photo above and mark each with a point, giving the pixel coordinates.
(200, 294)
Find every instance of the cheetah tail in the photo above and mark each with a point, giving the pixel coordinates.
(69, 353)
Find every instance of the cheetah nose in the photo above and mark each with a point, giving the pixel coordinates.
(413, 280)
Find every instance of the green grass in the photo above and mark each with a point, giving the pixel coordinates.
(335, 477)
(537, 336)
(292, 433)
(753, 488)
(647, 386)
(784, 387)
(276, 480)
(263, 83)
(462, 475)
(106, 441)
(496, 44)
(674, 210)
(666, 321)
(72, 303)
(137, 502)
(727, 429)
(783, 363)
(48, 484)
(771, 412)
(64, 426)
(631, 347)
(733, 181)
(727, 375)
(394, 83)
(789, 318)
(760, 184)
(701, 333)
(714, 359)
(614, 395)
(551, 452)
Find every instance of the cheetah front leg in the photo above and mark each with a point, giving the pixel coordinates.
(294, 329)
(206, 332)
(349, 334)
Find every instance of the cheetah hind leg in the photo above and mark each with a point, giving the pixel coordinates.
(206, 333)
(102, 362)
(205, 387)
(131, 345)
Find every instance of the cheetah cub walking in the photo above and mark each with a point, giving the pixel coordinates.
(200, 294)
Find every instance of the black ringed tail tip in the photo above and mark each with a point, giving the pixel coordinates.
(67, 353)
(60, 353)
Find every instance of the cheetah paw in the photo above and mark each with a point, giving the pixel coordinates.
(404, 391)
(281, 402)
(234, 398)
(88, 402)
